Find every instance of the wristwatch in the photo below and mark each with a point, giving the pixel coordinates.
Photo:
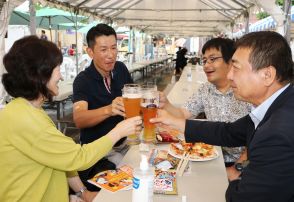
(80, 193)
(240, 166)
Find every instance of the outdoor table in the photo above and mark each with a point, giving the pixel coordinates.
(146, 66)
(183, 88)
(181, 91)
(198, 74)
(205, 181)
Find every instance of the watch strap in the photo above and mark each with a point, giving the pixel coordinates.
(240, 166)
(80, 193)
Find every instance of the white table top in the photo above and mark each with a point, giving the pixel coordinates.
(183, 89)
(207, 181)
(198, 74)
(152, 61)
(134, 66)
(141, 64)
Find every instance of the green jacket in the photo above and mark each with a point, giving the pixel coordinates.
(36, 157)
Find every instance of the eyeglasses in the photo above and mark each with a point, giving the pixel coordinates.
(210, 60)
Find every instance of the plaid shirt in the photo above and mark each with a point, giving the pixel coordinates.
(218, 107)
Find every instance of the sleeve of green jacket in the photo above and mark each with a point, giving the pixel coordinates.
(53, 149)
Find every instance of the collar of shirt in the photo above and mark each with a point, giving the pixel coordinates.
(97, 75)
(107, 82)
(258, 113)
(216, 91)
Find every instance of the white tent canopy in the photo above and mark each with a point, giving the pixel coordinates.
(173, 17)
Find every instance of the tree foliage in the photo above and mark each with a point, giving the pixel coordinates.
(281, 2)
(261, 15)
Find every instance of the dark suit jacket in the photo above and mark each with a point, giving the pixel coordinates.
(270, 173)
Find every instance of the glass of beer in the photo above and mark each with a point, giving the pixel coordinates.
(149, 105)
(131, 94)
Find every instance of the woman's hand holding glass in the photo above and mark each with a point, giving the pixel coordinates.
(126, 127)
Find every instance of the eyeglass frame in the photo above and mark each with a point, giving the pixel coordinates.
(211, 59)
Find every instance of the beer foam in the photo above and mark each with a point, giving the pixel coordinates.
(149, 95)
(132, 95)
(149, 105)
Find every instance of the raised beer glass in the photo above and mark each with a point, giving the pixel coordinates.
(149, 105)
(131, 94)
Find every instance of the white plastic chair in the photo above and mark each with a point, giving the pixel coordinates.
(67, 68)
(84, 62)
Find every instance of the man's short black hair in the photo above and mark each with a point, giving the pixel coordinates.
(225, 46)
(29, 65)
(269, 49)
(99, 30)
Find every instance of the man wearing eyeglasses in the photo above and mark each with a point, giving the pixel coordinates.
(262, 74)
(215, 98)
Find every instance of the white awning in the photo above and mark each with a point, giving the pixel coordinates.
(173, 17)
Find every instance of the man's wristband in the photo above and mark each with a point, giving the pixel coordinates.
(80, 193)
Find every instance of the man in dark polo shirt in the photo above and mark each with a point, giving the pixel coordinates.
(98, 105)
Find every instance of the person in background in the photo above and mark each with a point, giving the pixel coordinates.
(37, 160)
(215, 98)
(181, 60)
(97, 92)
(261, 73)
(43, 35)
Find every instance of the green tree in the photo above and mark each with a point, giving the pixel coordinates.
(261, 15)
(281, 2)
(38, 6)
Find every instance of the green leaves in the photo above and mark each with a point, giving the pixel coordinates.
(262, 15)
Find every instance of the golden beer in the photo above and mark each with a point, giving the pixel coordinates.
(149, 105)
(149, 134)
(132, 106)
(131, 98)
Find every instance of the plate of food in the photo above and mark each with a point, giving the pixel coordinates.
(167, 135)
(198, 151)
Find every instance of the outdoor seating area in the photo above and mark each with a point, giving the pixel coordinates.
(146, 100)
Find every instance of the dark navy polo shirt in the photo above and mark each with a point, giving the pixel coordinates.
(89, 86)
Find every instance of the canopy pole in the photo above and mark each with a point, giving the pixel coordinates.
(232, 28)
(76, 30)
(133, 45)
(246, 16)
(50, 28)
(287, 24)
(32, 18)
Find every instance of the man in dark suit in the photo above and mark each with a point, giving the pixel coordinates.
(261, 74)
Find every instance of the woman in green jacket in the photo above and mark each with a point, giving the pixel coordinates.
(36, 158)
